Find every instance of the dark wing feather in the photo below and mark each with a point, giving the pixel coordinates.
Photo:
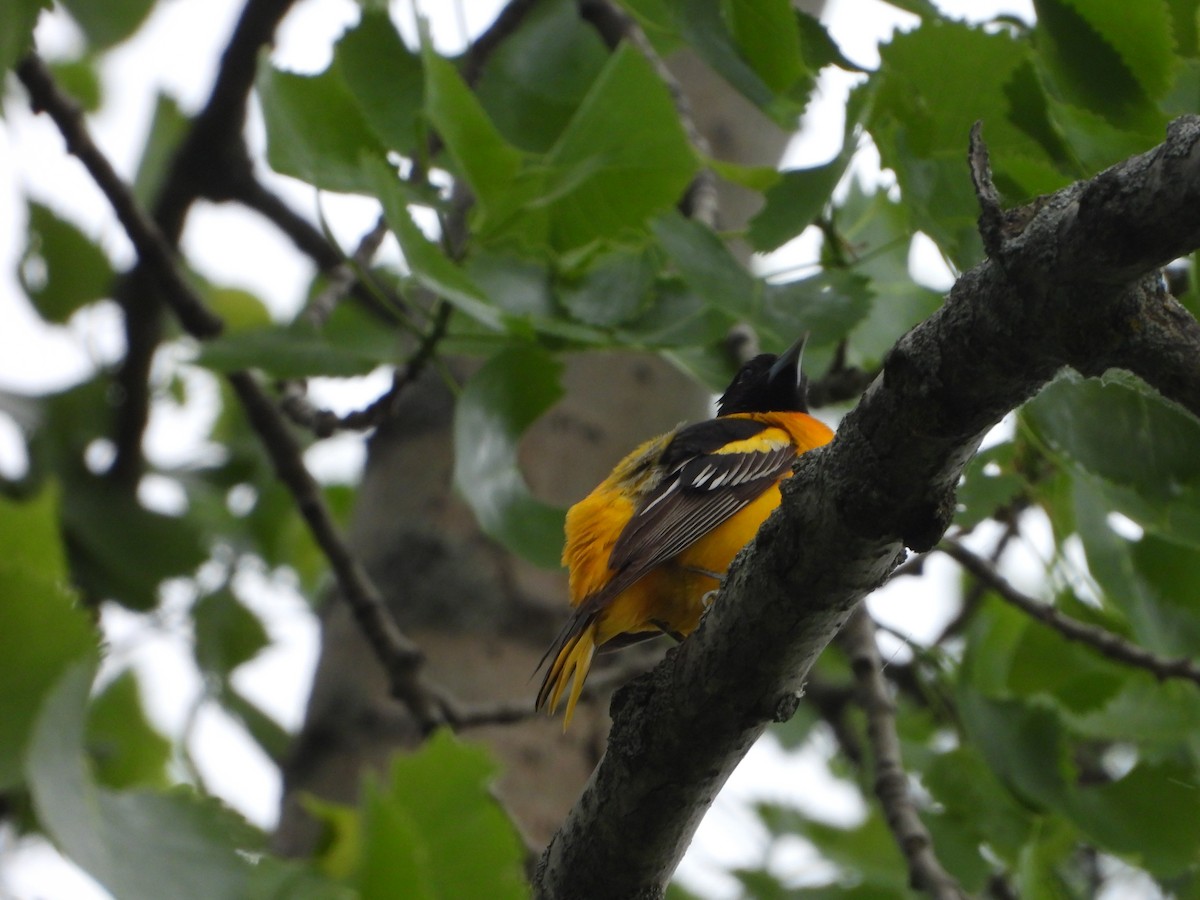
(699, 491)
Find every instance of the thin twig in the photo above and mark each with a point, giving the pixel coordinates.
(891, 783)
(974, 595)
(1099, 639)
(399, 656)
(324, 422)
(343, 276)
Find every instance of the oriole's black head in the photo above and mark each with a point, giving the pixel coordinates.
(768, 383)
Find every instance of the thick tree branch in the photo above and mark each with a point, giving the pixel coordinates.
(891, 782)
(1099, 639)
(1075, 283)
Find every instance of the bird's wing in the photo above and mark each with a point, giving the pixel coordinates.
(713, 470)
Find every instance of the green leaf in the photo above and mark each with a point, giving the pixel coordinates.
(296, 351)
(612, 289)
(496, 406)
(1024, 744)
(167, 130)
(794, 202)
(42, 629)
(1107, 55)
(701, 24)
(490, 165)
(1151, 581)
(16, 37)
(429, 265)
(876, 229)
(240, 310)
(1043, 663)
(623, 157)
(62, 269)
(385, 80)
(1152, 814)
(1184, 25)
(125, 564)
(679, 317)
(990, 483)
(30, 536)
(817, 47)
(708, 267)
(536, 78)
(125, 749)
(273, 738)
(132, 842)
(928, 95)
(1038, 875)
(767, 34)
(435, 831)
(227, 634)
(79, 79)
(976, 802)
(315, 130)
(107, 24)
(828, 306)
(1151, 474)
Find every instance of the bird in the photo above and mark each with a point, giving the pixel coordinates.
(646, 550)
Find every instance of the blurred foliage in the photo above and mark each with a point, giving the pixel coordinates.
(1043, 766)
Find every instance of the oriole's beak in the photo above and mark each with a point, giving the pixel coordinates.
(789, 360)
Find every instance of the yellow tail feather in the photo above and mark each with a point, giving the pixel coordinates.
(570, 665)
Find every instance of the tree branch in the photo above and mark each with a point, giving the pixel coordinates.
(153, 248)
(210, 158)
(400, 657)
(1077, 282)
(323, 422)
(891, 783)
(1099, 639)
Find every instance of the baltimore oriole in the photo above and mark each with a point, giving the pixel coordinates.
(656, 536)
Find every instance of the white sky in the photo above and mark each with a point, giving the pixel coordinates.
(177, 51)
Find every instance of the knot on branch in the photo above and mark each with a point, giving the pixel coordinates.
(997, 226)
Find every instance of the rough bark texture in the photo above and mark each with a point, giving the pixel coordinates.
(1073, 282)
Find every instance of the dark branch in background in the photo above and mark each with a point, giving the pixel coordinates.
(210, 160)
(158, 253)
(1099, 639)
(1072, 284)
(891, 782)
(840, 382)
(400, 657)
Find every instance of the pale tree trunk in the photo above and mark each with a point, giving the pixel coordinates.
(482, 617)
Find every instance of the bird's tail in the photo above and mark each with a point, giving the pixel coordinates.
(573, 652)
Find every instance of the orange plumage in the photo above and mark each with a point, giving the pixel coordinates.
(650, 541)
